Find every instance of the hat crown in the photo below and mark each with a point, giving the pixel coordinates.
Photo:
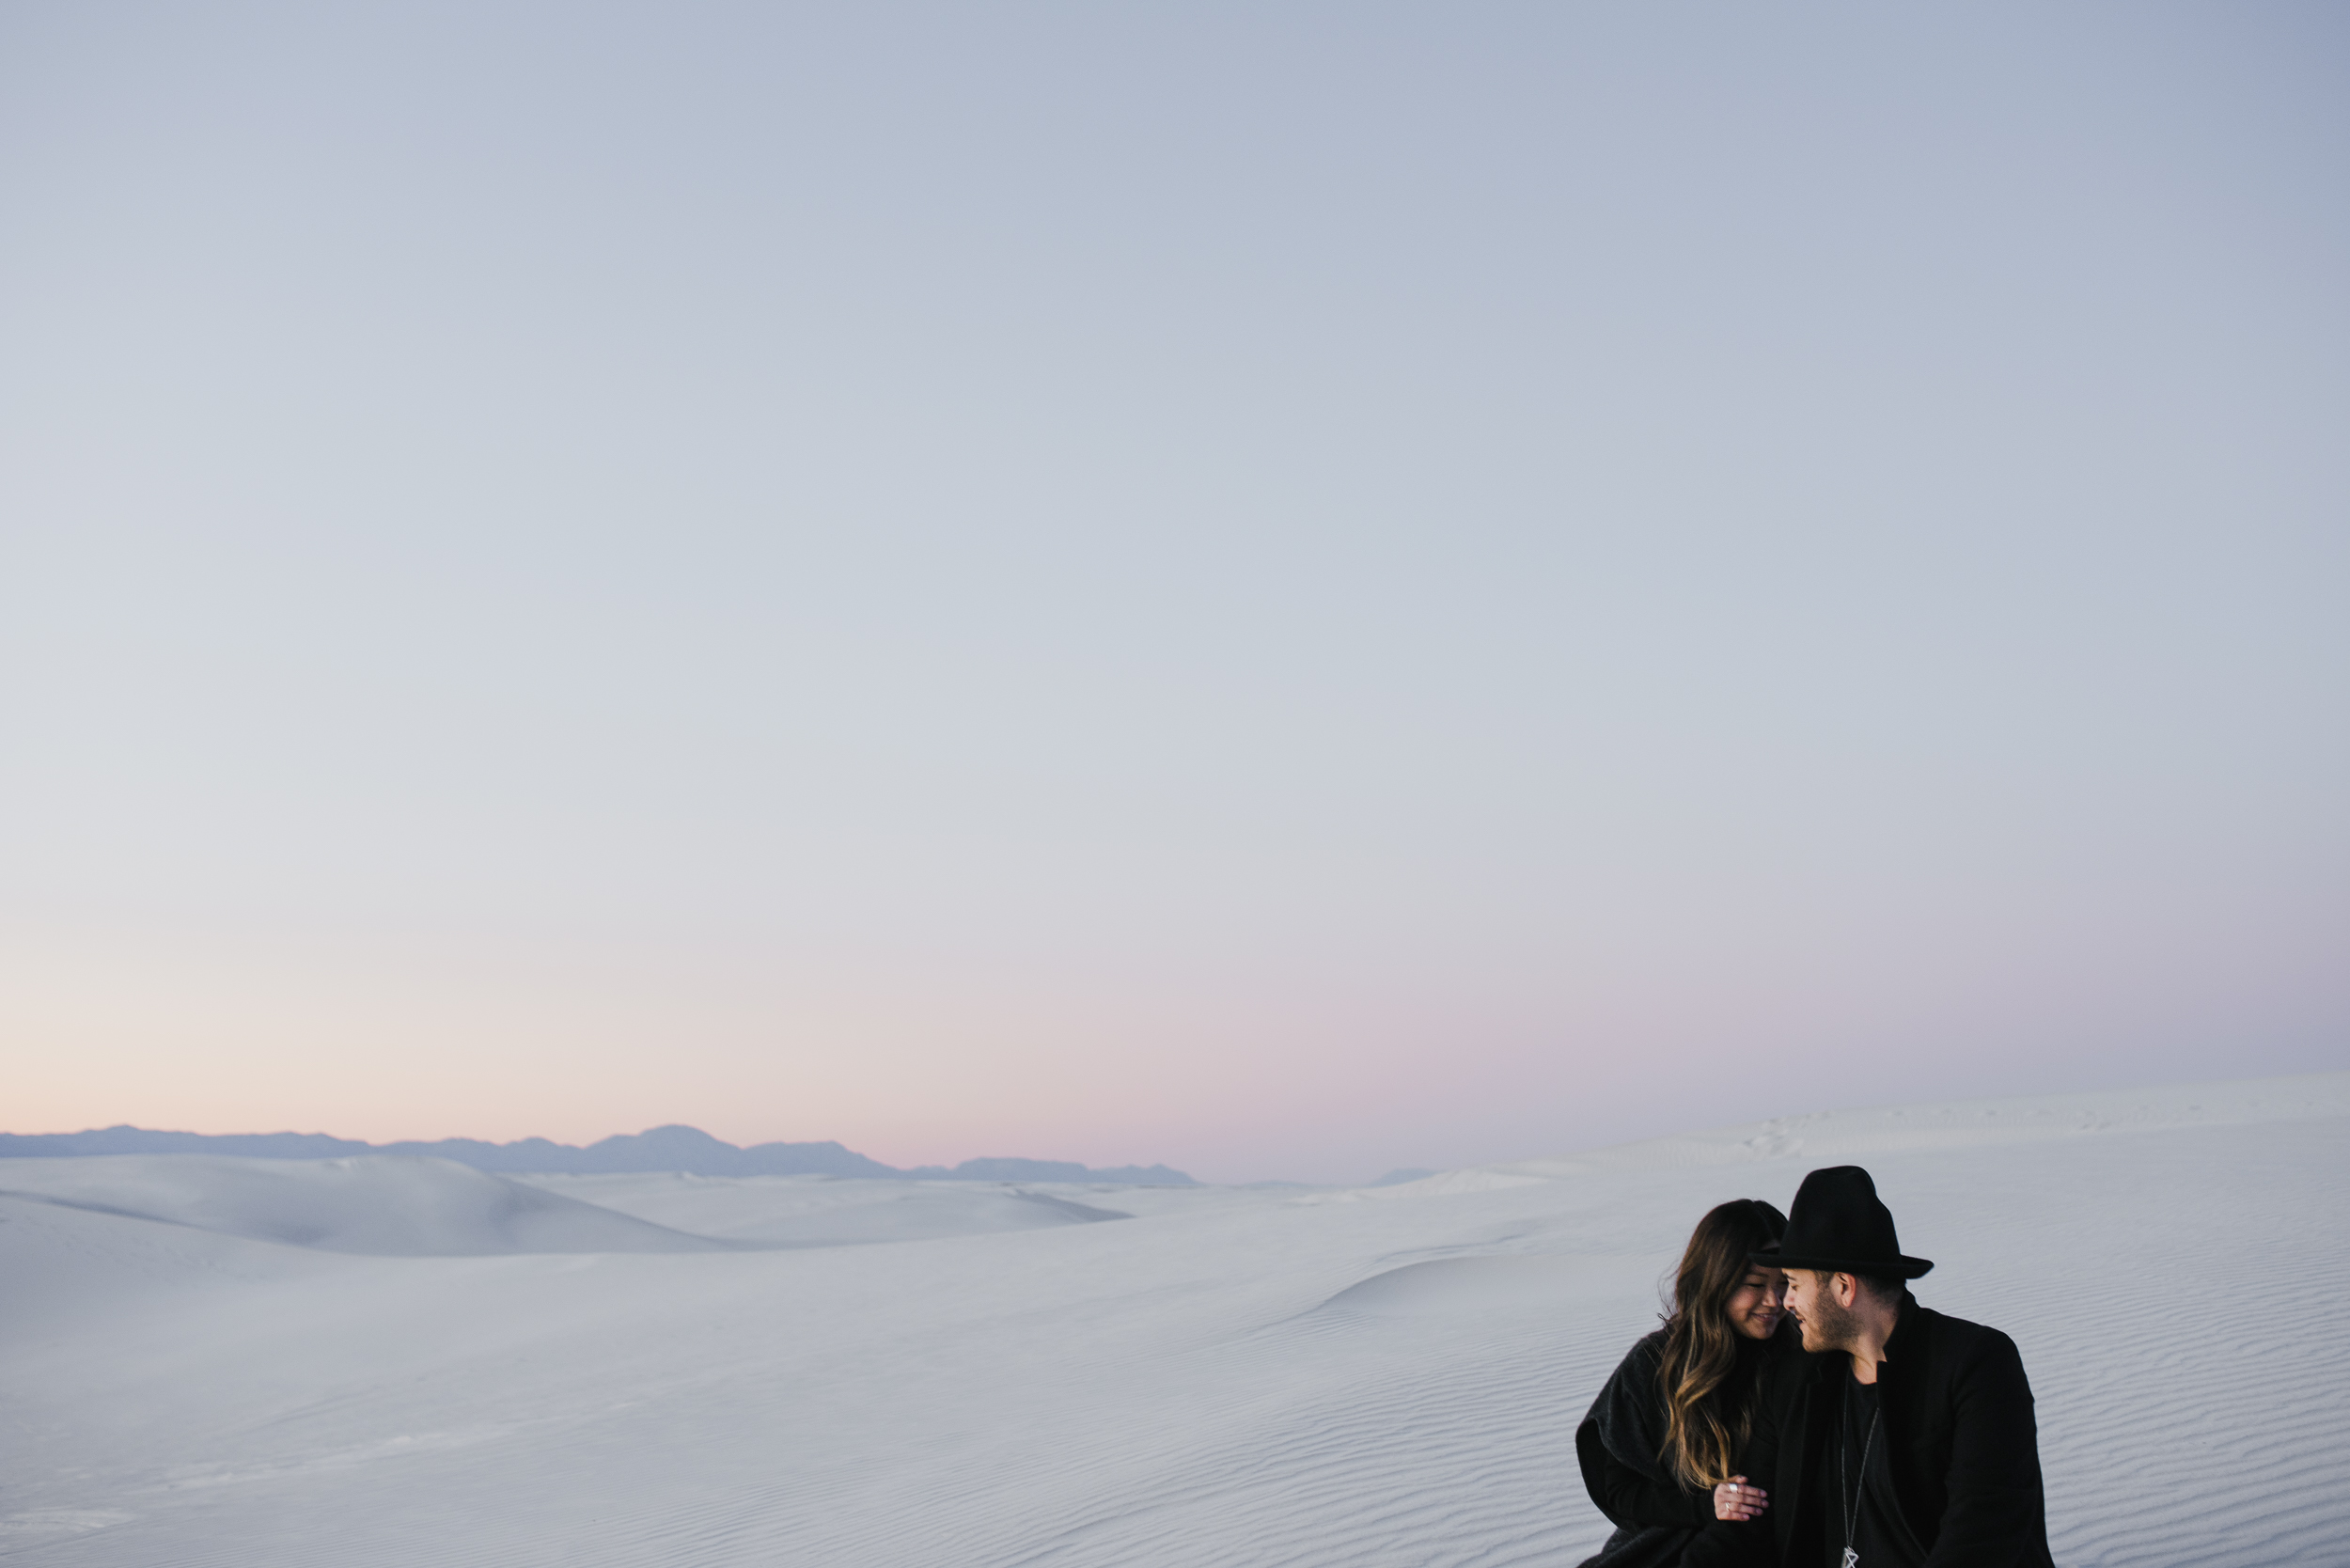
(1837, 1213)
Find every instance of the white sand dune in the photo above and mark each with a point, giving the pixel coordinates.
(828, 1211)
(390, 1205)
(1237, 1378)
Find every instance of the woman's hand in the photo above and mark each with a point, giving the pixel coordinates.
(1734, 1499)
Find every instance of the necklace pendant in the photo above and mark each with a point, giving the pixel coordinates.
(1852, 1559)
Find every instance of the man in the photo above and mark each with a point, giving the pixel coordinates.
(1903, 1438)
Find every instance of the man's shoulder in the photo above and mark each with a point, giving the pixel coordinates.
(1945, 1329)
(1961, 1342)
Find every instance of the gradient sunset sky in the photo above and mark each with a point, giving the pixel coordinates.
(1289, 589)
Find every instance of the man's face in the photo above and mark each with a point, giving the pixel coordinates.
(1811, 1301)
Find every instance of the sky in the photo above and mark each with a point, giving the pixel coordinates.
(1286, 590)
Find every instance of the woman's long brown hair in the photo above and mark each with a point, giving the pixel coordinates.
(1703, 1433)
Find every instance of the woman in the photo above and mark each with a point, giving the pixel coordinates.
(1663, 1436)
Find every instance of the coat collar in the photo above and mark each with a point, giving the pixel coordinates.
(1907, 1345)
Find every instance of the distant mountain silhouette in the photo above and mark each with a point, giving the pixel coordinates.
(658, 1149)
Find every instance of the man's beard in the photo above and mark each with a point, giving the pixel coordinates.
(1825, 1325)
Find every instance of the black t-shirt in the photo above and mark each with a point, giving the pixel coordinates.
(1860, 1475)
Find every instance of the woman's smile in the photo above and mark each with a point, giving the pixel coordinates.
(1758, 1303)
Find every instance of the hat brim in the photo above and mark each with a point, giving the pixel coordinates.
(1908, 1269)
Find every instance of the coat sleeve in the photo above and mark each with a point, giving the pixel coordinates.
(1630, 1498)
(1620, 1447)
(1735, 1543)
(1995, 1511)
(1752, 1543)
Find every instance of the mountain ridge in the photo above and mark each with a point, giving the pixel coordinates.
(672, 1148)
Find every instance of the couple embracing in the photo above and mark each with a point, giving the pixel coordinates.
(1800, 1408)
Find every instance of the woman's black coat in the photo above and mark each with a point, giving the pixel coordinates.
(1621, 1446)
(1963, 1445)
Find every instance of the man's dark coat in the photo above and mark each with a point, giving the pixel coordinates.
(1959, 1432)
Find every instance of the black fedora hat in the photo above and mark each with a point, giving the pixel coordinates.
(1838, 1225)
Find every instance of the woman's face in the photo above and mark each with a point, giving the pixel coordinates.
(1759, 1302)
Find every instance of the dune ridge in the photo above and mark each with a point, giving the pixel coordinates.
(657, 1149)
(387, 1205)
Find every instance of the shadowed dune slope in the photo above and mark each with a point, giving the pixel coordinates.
(817, 1211)
(388, 1205)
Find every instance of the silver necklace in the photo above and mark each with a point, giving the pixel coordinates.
(1844, 1488)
